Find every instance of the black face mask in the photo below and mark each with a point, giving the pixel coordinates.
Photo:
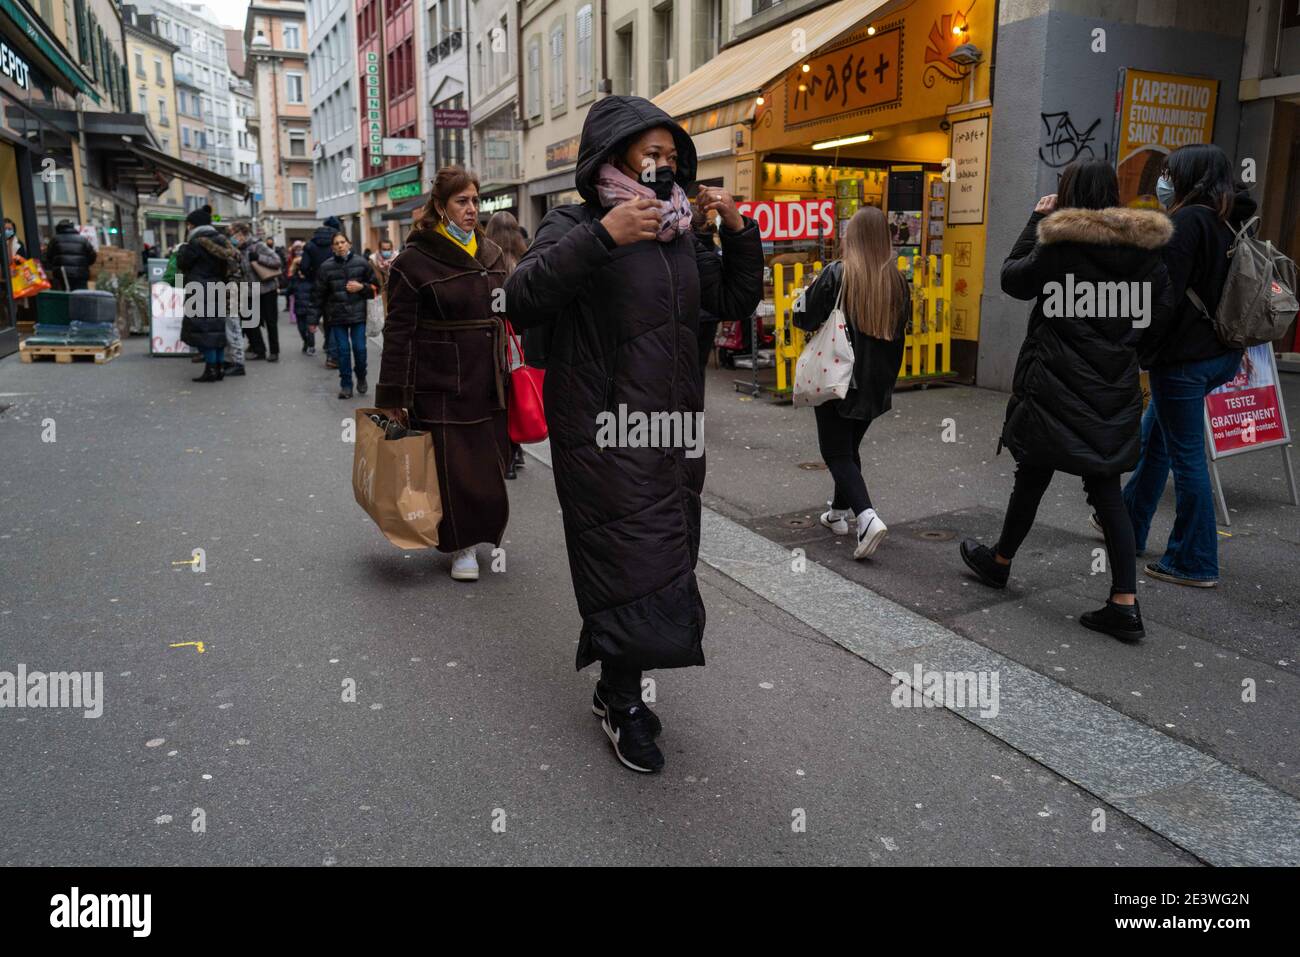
(663, 183)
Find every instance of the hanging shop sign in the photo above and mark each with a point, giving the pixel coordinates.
(374, 115)
(1158, 112)
(562, 153)
(848, 79)
(403, 146)
(451, 119)
(802, 219)
(969, 171)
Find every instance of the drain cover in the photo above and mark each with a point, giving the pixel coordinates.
(799, 523)
(813, 466)
(936, 534)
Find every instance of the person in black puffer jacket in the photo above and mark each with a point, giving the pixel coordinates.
(68, 255)
(344, 283)
(316, 251)
(621, 279)
(1097, 277)
(200, 260)
(1185, 362)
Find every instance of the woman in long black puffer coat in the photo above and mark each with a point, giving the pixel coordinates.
(620, 280)
(1097, 278)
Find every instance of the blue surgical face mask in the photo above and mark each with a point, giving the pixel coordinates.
(9, 233)
(1165, 191)
(459, 234)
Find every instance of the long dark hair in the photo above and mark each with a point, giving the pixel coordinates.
(1202, 176)
(503, 229)
(449, 181)
(1088, 184)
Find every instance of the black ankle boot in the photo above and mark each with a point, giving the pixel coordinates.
(209, 373)
(979, 559)
(1119, 621)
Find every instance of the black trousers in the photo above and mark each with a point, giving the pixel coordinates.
(269, 312)
(839, 439)
(620, 687)
(1103, 495)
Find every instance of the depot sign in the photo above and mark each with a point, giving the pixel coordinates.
(802, 219)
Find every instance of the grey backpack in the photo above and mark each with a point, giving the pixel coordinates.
(1259, 295)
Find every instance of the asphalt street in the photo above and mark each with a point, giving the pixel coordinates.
(471, 739)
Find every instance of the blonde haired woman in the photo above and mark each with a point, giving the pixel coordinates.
(877, 303)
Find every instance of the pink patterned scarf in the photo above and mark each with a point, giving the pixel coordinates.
(613, 186)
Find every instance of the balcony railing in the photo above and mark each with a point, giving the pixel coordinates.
(444, 48)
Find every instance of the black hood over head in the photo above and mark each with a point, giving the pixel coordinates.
(613, 119)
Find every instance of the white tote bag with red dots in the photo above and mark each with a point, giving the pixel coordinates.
(825, 367)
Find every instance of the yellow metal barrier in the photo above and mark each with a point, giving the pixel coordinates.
(927, 351)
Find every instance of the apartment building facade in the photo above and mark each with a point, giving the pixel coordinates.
(332, 95)
(495, 123)
(153, 93)
(446, 80)
(284, 200)
(243, 106)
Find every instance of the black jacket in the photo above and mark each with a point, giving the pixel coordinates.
(314, 252)
(625, 321)
(1076, 403)
(68, 250)
(195, 263)
(330, 297)
(1197, 256)
(875, 361)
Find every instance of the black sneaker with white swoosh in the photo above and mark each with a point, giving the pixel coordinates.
(631, 734)
(599, 707)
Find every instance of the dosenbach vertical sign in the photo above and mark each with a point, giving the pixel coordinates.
(374, 111)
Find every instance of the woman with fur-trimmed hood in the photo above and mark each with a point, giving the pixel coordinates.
(1095, 273)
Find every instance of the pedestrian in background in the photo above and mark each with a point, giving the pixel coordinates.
(316, 251)
(451, 380)
(203, 258)
(877, 303)
(1185, 362)
(620, 279)
(258, 253)
(503, 229)
(14, 247)
(68, 258)
(1076, 400)
(299, 296)
(344, 283)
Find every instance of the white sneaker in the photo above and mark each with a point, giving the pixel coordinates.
(837, 520)
(464, 565)
(871, 532)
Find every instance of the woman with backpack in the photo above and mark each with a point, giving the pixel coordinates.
(876, 302)
(1185, 362)
(1076, 400)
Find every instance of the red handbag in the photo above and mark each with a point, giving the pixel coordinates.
(526, 414)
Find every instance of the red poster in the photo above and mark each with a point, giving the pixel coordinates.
(1246, 412)
(797, 220)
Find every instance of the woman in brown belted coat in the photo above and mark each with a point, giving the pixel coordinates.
(444, 363)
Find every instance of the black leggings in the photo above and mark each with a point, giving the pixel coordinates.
(1103, 495)
(839, 438)
(622, 686)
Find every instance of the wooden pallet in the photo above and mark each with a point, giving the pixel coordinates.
(67, 353)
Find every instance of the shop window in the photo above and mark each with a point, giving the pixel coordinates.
(624, 63)
(299, 194)
(557, 67)
(139, 64)
(661, 46)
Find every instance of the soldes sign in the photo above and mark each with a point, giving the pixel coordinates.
(802, 219)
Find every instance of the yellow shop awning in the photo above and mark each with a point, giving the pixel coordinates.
(722, 91)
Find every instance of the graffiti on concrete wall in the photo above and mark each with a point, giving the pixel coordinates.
(1067, 143)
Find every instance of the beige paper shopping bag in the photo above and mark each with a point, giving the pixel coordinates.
(396, 482)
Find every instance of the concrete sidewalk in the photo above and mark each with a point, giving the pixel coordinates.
(1185, 680)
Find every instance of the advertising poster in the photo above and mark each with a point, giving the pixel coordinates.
(1158, 112)
(970, 156)
(1246, 412)
(165, 314)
